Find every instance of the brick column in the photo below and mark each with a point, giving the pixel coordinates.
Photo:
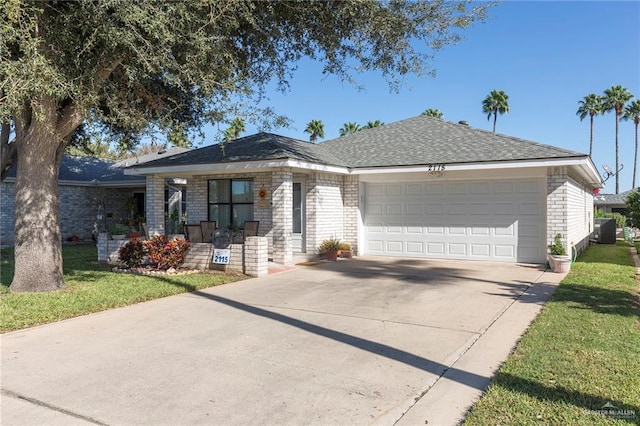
(155, 205)
(282, 211)
(351, 211)
(557, 222)
(256, 256)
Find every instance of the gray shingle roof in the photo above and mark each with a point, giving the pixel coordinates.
(260, 146)
(88, 169)
(611, 199)
(427, 140)
(415, 141)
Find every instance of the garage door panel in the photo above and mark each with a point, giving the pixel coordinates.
(480, 230)
(414, 209)
(457, 208)
(504, 251)
(479, 208)
(504, 230)
(393, 209)
(457, 249)
(499, 220)
(415, 248)
(395, 246)
(435, 208)
(435, 248)
(526, 209)
(375, 209)
(434, 188)
(414, 189)
(460, 229)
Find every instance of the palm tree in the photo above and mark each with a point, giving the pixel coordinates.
(372, 124)
(496, 102)
(349, 128)
(591, 105)
(615, 98)
(431, 112)
(316, 128)
(632, 112)
(235, 128)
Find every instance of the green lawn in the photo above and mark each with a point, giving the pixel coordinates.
(581, 354)
(90, 288)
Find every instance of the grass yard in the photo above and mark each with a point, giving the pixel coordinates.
(579, 362)
(90, 288)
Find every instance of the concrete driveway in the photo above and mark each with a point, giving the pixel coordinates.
(363, 341)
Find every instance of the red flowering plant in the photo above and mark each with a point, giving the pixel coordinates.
(166, 254)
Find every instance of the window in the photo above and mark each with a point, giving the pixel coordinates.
(230, 201)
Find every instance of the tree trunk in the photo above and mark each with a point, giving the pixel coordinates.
(617, 158)
(591, 137)
(635, 159)
(38, 246)
(495, 118)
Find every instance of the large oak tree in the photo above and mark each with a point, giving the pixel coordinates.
(130, 66)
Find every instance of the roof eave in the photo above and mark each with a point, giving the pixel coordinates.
(241, 166)
(583, 164)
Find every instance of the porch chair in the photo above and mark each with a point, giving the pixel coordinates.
(208, 227)
(194, 233)
(250, 228)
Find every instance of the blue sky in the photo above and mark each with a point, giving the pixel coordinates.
(545, 55)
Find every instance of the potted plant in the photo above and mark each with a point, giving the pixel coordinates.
(345, 250)
(330, 247)
(118, 231)
(558, 258)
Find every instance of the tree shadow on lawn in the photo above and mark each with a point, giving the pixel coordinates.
(598, 299)
(590, 403)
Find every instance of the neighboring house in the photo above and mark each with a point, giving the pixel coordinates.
(421, 187)
(89, 188)
(612, 203)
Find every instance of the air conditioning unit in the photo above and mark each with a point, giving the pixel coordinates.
(604, 231)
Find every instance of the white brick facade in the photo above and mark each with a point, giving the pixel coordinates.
(569, 209)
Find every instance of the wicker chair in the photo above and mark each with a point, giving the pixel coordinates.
(250, 228)
(207, 227)
(194, 234)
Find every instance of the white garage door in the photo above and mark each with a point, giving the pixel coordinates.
(478, 220)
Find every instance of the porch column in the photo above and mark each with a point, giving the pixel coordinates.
(282, 213)
(155, 205)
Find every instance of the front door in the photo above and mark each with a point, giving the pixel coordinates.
(297, 236)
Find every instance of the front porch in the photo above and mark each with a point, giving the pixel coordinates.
(296, 209)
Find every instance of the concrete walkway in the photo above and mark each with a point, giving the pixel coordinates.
(363, 341)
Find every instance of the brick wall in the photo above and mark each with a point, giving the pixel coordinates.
(351, 211)
(78, 209)
(327, 208)
(557, 220)
(250, 258)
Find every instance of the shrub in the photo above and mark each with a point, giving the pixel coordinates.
(345, 246)
(330, 244)
(132, 253)
(557, 249)
(621, 220)
(118, 229)
(167, 254)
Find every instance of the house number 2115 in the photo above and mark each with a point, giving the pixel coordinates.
(435, 167)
